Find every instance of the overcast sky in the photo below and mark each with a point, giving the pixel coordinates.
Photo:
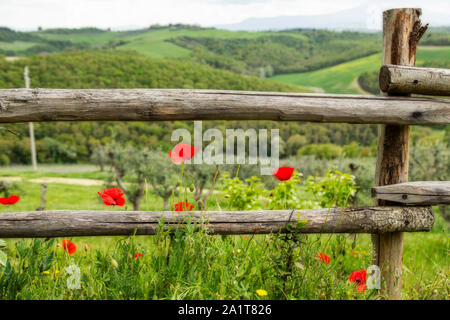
(126, 14)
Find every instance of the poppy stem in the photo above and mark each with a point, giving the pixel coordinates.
(181, 180)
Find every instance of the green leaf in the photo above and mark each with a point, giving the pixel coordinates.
(2, 243)
(302, 223)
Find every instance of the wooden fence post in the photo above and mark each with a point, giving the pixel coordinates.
(402, 30)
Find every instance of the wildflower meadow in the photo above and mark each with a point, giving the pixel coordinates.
(188, 263)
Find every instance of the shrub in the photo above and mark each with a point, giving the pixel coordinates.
(321, 151)
(4, 160)
(351, 150)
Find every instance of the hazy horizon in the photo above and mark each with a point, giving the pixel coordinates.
(27, 15)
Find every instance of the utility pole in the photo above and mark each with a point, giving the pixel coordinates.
(30, 124)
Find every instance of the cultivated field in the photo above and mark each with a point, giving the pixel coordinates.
(342, 78)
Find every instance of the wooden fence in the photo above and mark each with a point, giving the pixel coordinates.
(399, 206)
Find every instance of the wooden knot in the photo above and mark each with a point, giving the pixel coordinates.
(417, 114)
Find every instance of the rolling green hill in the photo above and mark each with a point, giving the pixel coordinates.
(337, 79)
(281, 52)
(342, 78)
(262, 54)
(251, 53)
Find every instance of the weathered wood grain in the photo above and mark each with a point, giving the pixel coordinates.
(406, 80)
(417, 192)
(402, 30)
(333, 220)
(22, 105)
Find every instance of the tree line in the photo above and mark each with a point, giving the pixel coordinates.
(281, 53)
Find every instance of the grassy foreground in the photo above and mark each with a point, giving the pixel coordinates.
(192, 265)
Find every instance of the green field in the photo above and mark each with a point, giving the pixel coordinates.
(82, 37)
(151, 43)
(342, 78)
(16, 45)
(154, 44)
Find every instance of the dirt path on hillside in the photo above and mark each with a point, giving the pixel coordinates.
(316, 89)
(13, 58)
(81, 182)
(75, 181)
(355, 85)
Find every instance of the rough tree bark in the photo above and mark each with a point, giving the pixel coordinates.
(20, 105)
(332, 220)
(402, 31)
(406, 80)
(417, 192)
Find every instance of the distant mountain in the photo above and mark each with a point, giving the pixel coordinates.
(362, 18)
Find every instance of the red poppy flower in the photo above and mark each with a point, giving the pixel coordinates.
(69, 246)
(137, 255)
(322, 256)
(112, 197)
(283, 173)
(12, 199)
(183, 206)
(359, 278)
(361, 288)
(182, 152)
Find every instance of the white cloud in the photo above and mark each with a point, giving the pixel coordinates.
(22, 14)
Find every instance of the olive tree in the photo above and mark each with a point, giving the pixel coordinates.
(131, 164)
(163, 175)
(133, 168)
(429, 161)
(202, 177)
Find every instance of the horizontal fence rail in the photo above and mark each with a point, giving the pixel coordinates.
(98, 223)
(417, 192)
(24, 105)
(395, 79)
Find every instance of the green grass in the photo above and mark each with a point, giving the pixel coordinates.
(16, 45)
(82, 37)
(79, 171)
(225, 267)
(342, 78)
(337, 79)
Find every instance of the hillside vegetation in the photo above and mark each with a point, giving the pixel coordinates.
(180, 56)
(426, 57)
(69, 142)
(74, 141)
(343, 78)
(282, 52)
